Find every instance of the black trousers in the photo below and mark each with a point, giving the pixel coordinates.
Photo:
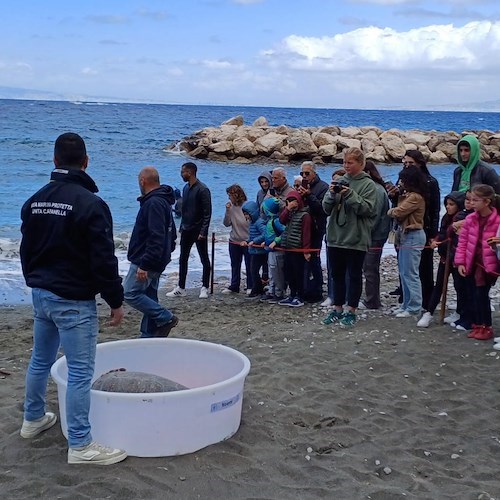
(188, 239)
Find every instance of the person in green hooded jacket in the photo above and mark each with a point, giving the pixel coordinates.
(471, 170)
(351, 205)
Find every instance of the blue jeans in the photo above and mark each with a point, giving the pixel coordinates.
(72, 324)
(410, 250)
(143, 296)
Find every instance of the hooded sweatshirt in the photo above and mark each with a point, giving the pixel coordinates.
(351, 216)
(154, 234)
(261, 194)
(446, 231)
(274, 228)
(257, 229)
(298, 224)
(474, 171)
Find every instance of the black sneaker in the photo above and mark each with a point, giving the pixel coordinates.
(397, 291)
(164, 330)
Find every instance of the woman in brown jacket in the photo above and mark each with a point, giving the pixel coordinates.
(409, 215)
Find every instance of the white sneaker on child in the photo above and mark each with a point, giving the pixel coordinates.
(203, 293)
(425, 320)
(452, 318)
(327, 302)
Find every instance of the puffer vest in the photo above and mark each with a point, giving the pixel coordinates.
(292, 236)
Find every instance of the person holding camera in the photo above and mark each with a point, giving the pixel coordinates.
(350, 202)
(313, 190)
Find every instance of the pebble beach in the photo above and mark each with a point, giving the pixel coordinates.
(380, 410)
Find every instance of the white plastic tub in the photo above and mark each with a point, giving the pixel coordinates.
(166, 423)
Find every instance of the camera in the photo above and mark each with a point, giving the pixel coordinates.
(340, 184)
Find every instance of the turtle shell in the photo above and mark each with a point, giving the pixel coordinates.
(135, 382)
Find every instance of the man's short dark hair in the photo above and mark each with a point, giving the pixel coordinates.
(191, 167)
(70, 150)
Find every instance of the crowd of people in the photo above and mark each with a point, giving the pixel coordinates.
(67, 256)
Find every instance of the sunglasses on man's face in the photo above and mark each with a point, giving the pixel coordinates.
(305, 173)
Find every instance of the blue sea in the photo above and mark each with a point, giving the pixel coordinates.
(123, 138)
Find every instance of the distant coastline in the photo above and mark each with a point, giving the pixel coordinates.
(14, 93)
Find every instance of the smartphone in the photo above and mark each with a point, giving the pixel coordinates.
(305, 184)
(272, 191)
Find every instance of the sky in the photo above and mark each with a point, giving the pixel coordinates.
(376, 54)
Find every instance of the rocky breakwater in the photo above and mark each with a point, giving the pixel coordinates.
(239, 143)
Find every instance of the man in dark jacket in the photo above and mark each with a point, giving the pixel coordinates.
(313, 192)
(149, 252)
(67, 256)
(196, 215)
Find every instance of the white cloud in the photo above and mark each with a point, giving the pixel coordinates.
(89, 71)
(474, 46)
(108, 19)
(153, 15)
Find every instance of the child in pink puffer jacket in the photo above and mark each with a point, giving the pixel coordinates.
(475, 258)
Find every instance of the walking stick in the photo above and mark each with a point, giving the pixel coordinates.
(444, 292)
(212, 265)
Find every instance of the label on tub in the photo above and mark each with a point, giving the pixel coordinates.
(222, 405)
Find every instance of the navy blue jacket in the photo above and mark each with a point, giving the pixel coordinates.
(154, 234)
(67, 245)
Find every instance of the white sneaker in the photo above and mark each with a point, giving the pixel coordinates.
(177, 292)
(496, 346)
(404, 314)
(95, 453)
(452, 318)
(397, 311)
(496, 340)
(227, 291)
(204, 292)
(425, 320)
(249, 291)
(32, 428)
(327, 302)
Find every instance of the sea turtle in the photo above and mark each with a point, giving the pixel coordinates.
(121, 380)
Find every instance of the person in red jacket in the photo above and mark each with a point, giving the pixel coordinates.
(475, 258)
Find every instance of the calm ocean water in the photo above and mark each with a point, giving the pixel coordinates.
(122, 138)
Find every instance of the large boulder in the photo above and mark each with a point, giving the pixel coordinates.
(350, 132)
(235, 120)
(378, 155)
(438, 157)
(322, 139)
(222, 147)
(200, 152)
(416, 137)
(393, 145)
(327, 151)
(448, 149)
(269, 143)
(345, 142)
(332, 130)
(243, 147)
(260, 122)
(302, 143)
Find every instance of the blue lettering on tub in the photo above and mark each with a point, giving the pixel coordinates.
(222, 405)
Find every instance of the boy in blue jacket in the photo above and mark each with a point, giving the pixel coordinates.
(276, 258)
(255, 245)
